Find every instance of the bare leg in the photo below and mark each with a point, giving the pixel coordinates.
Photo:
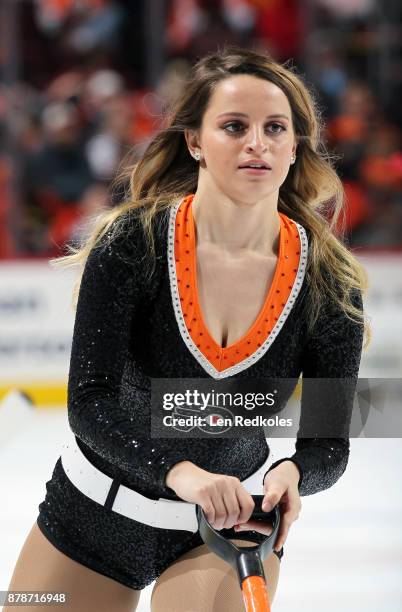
(199, 581)
(42, 567)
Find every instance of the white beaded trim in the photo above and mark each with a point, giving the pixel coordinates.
(245, 363)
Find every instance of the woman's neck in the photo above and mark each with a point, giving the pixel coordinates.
(236, 226)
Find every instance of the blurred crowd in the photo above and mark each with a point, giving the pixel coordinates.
(81, 104)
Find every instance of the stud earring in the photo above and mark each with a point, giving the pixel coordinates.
(293, 159)
(196, 155)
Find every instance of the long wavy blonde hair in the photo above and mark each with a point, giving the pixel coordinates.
(312, 193)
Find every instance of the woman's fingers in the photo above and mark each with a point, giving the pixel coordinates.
(260, 526)
(232, 508)
(272, 497)
(220, 509)
(289, 514)
(283, 532)
(229, 503)
(209, 510)
(246, 504)
(237, 501)
(281, 488)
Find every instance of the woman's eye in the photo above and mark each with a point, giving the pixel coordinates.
(278, 125)
(238, 127)
(230, 125)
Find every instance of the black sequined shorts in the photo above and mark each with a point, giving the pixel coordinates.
(116, 546)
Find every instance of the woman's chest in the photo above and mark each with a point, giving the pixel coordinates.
(232, 290)
(223, 311)
(164, 347)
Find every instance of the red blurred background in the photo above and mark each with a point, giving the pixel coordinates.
(85, 81)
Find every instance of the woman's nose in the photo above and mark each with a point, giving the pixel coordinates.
(257, 141)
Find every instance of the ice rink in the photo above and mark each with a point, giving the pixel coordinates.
(344, 554)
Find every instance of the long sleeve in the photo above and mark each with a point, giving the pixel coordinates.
(112, 294)
(332, 354)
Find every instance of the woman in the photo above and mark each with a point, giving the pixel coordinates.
(222, 262)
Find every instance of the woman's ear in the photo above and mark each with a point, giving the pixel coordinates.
(192, 140)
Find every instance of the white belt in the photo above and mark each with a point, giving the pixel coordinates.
(162, 513)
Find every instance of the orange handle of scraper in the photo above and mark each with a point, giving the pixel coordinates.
(255, 594)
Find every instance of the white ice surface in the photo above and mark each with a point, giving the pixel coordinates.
(344, 554)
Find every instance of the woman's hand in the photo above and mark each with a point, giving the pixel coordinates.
(223, 498)
(280, 487)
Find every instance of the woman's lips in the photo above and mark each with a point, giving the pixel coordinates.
(255, 171)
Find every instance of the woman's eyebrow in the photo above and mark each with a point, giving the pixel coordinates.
(245, 115)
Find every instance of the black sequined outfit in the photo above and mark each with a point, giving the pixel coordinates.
(125, 333)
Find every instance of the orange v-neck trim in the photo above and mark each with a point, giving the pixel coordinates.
(277, 295)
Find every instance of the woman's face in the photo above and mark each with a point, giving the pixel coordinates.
(247, 118)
